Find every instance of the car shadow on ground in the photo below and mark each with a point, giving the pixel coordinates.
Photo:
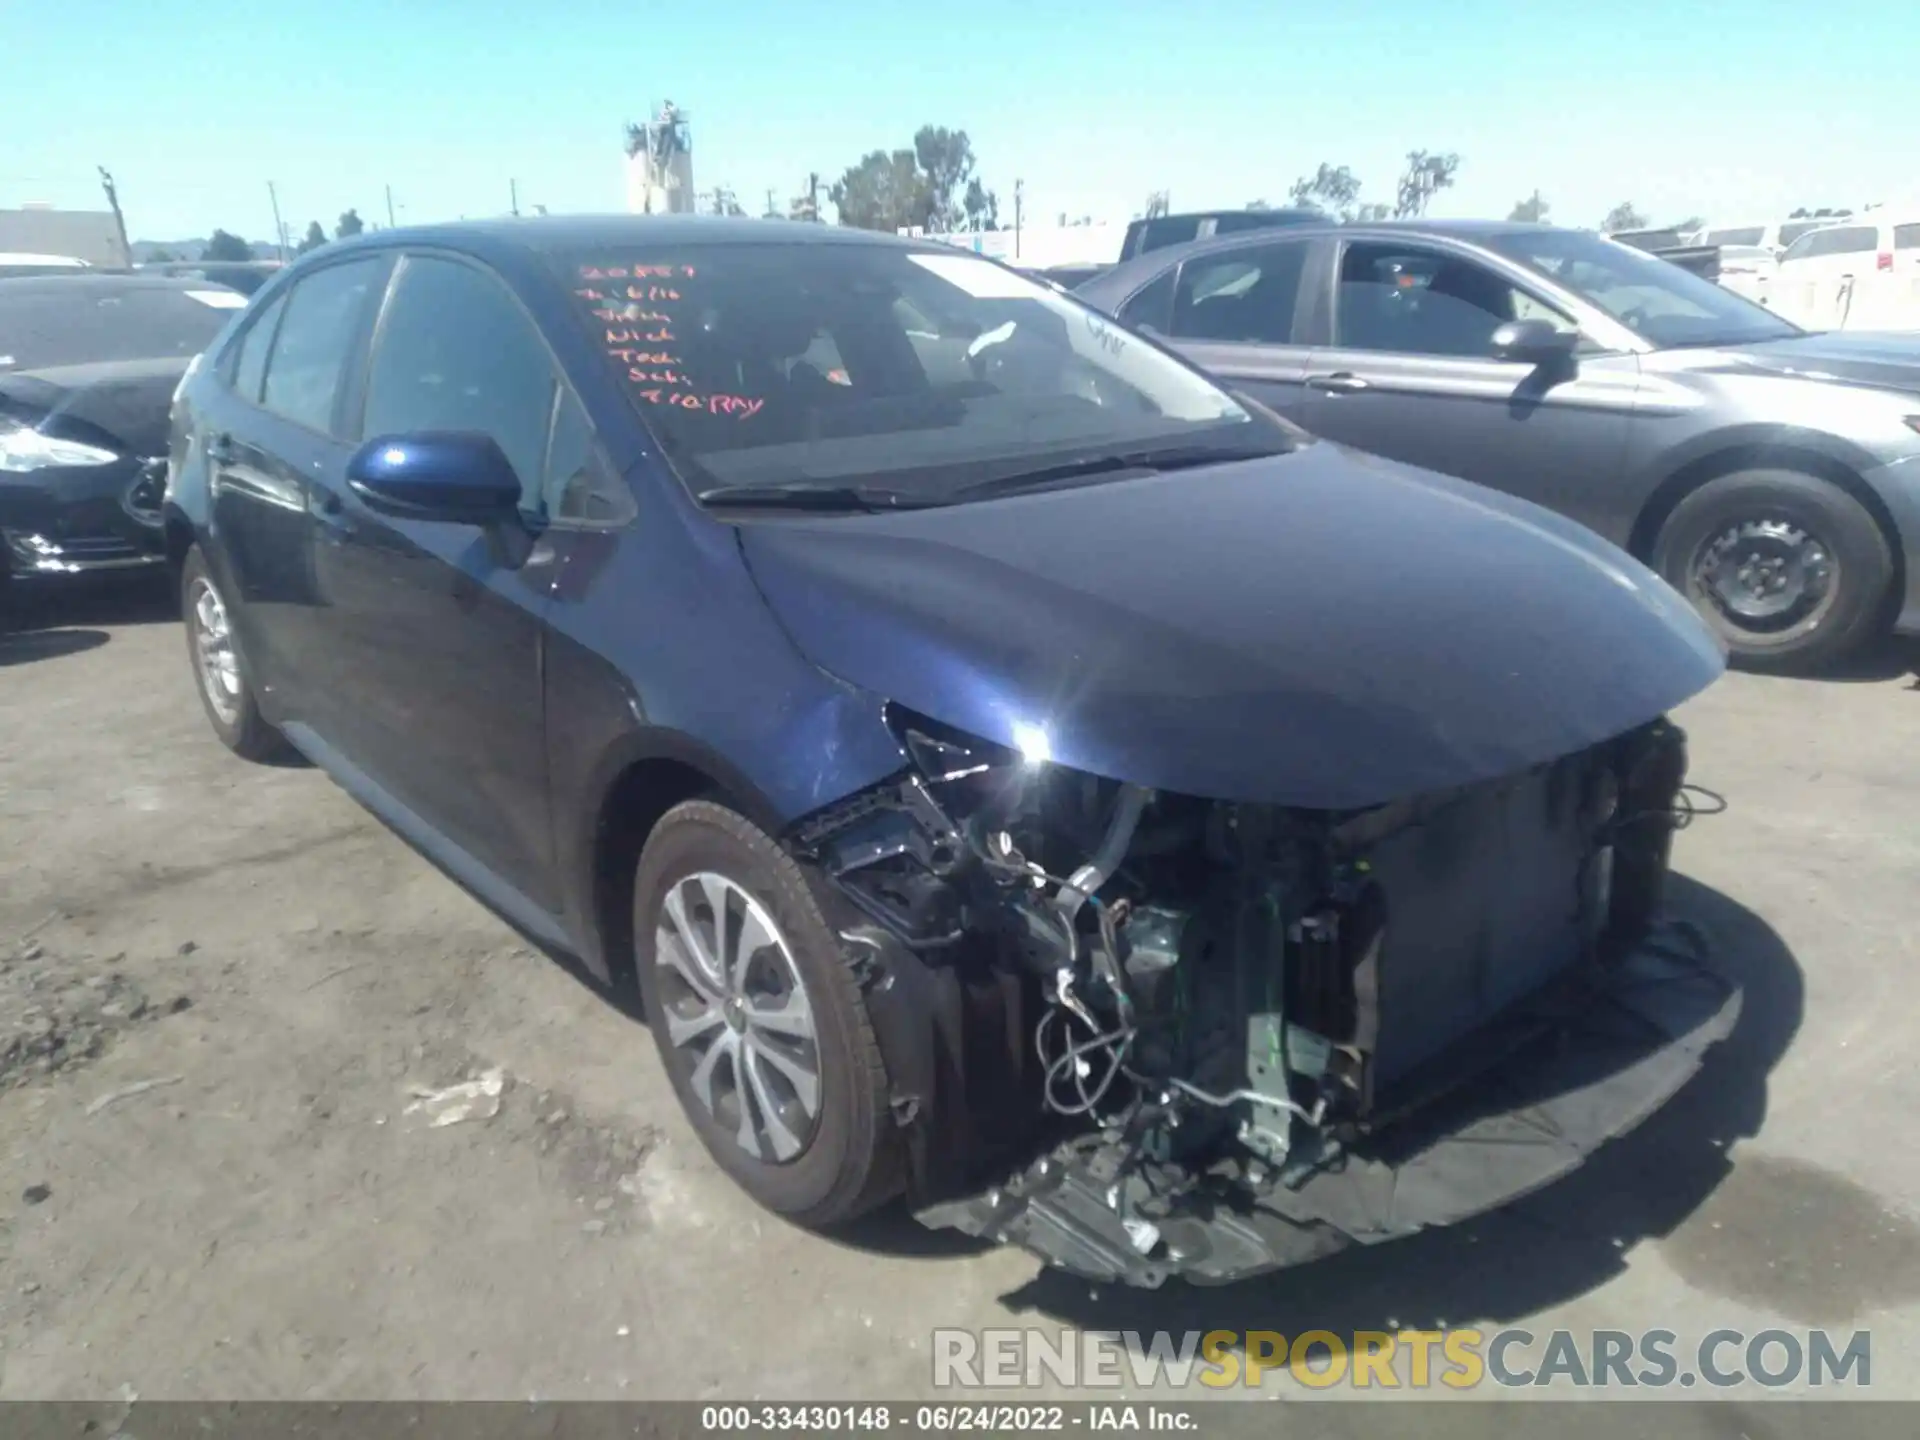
(23, 648)
(1541, 1251)
(1889, 658)
(41, 621)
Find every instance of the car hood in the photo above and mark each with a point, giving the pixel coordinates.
(127, 400)
(1885, 361)
(1321, 629)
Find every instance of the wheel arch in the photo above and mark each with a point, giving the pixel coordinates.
(179, 536)
(1807, 453)
(643, 776)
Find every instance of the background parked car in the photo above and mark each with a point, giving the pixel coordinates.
(1770, 475)
(245, 276)
(1068, 277)
(1862, 274)
(1749, 271)
(88, 365)
(1775, 236)
(16, 263)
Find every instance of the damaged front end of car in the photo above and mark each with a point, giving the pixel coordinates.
(1145, 1034)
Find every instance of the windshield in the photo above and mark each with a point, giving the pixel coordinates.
(73, 321)
(1652, 297)
(853, 365)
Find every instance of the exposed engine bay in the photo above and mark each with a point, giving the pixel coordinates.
(1147, 1034)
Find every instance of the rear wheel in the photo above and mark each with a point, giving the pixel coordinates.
(758, 1020)
(1791, 570)
(219, 669)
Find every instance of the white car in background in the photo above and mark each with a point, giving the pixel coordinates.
(1775, 236)
(1748, 271)
(1862, 274)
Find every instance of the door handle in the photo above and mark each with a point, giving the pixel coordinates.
(1342, 382)
(220, 449)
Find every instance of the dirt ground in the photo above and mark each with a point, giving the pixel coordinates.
(226, 993)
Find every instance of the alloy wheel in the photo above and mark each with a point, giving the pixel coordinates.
(213, 647)
(737, 1014)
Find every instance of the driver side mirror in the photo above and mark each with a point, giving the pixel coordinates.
(458, 477)
(1533, 342)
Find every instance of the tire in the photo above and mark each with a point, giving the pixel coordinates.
(849, 1158)
(231, 707)
(1838, 577)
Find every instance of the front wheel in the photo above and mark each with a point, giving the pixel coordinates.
(758, 1020)
(1791, 570)
(219, 670)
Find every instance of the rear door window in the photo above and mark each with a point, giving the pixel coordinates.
(1906, 237)
(250, 364)
(1742, 235)
(1247, 295)
(323, 323)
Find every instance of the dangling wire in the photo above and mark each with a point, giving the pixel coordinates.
(1684, 810)
(1114, 1045)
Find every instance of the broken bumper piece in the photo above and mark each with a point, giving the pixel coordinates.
(1580, 1063)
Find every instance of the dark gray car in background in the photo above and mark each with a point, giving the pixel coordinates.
(1769, 474)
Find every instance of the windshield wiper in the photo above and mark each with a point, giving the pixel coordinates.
(832, 498)
(1143, 461)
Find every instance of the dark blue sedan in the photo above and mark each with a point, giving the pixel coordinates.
(1016, 772)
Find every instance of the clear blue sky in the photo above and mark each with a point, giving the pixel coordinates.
(1726, 109)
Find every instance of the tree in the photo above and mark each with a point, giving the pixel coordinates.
(1691, 224)
(931, 185)
(160, 255)
(1157, 205)
(222, 246)
(1426, 175)
(945, 158)
(1533, 209)
(883, 192)
(1258, 205)
(1368, 213)
(1332, 188)
(1623, 217)
(350, 224)
(982, 207)
(725, 202)
(315, 238)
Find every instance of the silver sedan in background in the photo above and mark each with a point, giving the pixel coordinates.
(1769, 474)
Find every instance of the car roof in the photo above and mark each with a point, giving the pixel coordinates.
(1127, 276)
(551, 234)
(1217, 214)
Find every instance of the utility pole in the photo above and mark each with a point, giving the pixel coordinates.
(813, 194)
(119, 220)
(390, 224)
(1019, 194)
(279, 225)
(771, 213)
(513, 195)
